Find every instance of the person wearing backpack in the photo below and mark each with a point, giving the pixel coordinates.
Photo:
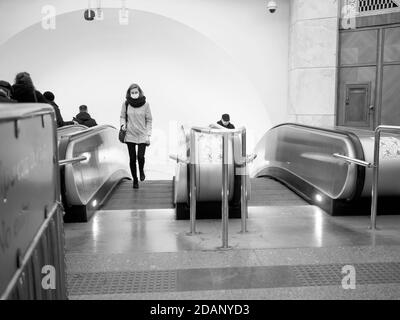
(136, 120)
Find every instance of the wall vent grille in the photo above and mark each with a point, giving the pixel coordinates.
(375, 5)
(370, 7)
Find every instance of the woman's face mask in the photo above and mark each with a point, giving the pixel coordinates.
(134, 95)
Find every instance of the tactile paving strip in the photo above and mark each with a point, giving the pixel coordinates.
(121, 282)
(368, 273)
(217, 279)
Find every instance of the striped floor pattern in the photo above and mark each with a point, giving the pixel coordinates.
(158, 194)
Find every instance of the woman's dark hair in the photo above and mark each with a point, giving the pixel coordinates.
(132, 86)
(24, 78)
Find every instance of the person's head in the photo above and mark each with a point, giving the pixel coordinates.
(5, 88)
(134, 92)
(226, 119)
(24, 78)
(83, 108)
(49, 96)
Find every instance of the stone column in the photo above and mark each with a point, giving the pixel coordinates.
(313, 61)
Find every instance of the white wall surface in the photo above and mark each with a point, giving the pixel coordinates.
(194, 59)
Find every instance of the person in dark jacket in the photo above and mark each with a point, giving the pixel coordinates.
(5, 92)
(84, 118)
(226, 122)
(24, 91)
(49, 96)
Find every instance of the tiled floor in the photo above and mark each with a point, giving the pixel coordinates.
(127, 231)
(147, 254)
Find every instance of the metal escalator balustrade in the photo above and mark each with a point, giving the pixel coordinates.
(31, 228)
(87, 183)
(333, 168)
(307, 153)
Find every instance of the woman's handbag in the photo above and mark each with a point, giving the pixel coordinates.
(122, 133)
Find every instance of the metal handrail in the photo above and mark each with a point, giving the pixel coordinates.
(29, 252)
(71, 161)
(374, 166)
(375, 175)
(178, 158)
(353, 160)
(225, 179)
(218, 131)
(91, 130)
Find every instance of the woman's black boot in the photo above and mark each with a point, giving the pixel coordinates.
(135, 183)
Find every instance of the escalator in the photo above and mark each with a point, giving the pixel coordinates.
(87, 184)
(302, 158)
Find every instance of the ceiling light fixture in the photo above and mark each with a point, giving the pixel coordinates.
(123, 14)
(99, 11)
(89, 14)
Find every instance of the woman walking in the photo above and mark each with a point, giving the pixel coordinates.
(136, 120)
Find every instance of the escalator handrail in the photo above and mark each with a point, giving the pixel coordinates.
(359, 151)
(13, 112)
(88, 132)
(60, 129)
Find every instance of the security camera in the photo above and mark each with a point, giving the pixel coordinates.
(89, 15)
(272, 6)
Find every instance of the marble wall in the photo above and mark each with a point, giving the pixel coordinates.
(313, 61)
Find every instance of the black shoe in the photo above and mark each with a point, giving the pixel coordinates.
(142, 176)
(135, 184)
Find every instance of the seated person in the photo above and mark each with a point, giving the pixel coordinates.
(84, 118)
(5, 92)
(225, 122)
(49, 96)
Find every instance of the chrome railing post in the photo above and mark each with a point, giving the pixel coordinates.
(243, 187)
(193, 191)
(225, 190)
(375, 175)
(226, 134)
(375, 178)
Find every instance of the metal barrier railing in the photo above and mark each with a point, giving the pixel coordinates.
(245, 159)
(375, 175)
(225, 179)
(374, 166)
(71, 161)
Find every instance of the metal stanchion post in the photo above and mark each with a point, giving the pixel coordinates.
(193, 191)
(375, 179)
(243, 188)
(225, 191)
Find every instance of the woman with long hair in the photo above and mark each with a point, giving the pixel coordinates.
(136, 120)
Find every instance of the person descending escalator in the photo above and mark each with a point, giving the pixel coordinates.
(226, 122)
(49, 96)
(84, 118)
(24, 91)
(136, 120)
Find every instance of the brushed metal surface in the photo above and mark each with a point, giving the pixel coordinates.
(308, 154)
(389, 168)
(29, 196)
(208, 166)
(105, 155)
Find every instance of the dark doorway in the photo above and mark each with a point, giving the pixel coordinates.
(357, 109)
